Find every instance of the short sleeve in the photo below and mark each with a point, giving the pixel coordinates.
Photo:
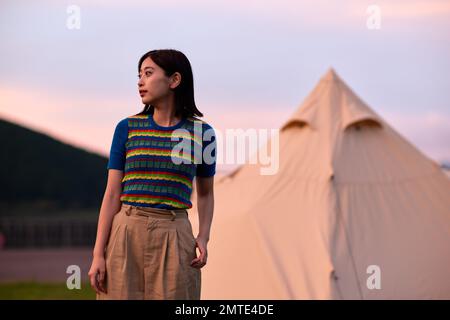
(207, 167)
(117, 151)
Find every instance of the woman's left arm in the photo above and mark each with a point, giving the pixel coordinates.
(205, 207)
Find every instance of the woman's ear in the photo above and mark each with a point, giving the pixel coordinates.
(175, 80)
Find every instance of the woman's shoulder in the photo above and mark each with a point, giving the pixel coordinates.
(131, 120)
(124, 123)
(199, 121)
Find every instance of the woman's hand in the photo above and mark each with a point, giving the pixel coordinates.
(97, 274)
(200, 261)
(111, 205)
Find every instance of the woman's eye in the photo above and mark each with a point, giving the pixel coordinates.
(147, 73)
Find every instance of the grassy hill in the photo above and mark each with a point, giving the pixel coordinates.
(41, 175)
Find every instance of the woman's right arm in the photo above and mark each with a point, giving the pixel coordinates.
(110, 206)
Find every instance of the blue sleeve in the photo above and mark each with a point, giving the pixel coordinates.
(117, 152)
(208, 166)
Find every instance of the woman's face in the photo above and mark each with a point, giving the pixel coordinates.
(153, 84)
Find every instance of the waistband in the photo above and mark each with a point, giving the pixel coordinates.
(159, 213)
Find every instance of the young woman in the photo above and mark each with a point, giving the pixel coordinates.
(145, 247)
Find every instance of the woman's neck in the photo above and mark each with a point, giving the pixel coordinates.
(164, 113)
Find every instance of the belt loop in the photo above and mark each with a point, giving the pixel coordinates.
(173, 214)
(128, 211)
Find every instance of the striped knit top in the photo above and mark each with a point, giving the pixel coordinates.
(160, 163)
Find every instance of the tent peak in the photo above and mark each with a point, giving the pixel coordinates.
(332, 101)
(331, 75)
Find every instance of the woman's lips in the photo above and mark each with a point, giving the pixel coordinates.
(142, 93)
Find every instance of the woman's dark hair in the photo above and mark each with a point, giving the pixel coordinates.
(172, 61)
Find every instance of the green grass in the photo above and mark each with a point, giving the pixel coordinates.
(44, 291)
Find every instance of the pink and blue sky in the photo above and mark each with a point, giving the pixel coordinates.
(254, 62)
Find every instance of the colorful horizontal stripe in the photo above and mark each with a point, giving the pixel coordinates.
(153, 174)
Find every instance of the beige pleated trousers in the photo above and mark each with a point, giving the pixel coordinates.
(148, 256)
